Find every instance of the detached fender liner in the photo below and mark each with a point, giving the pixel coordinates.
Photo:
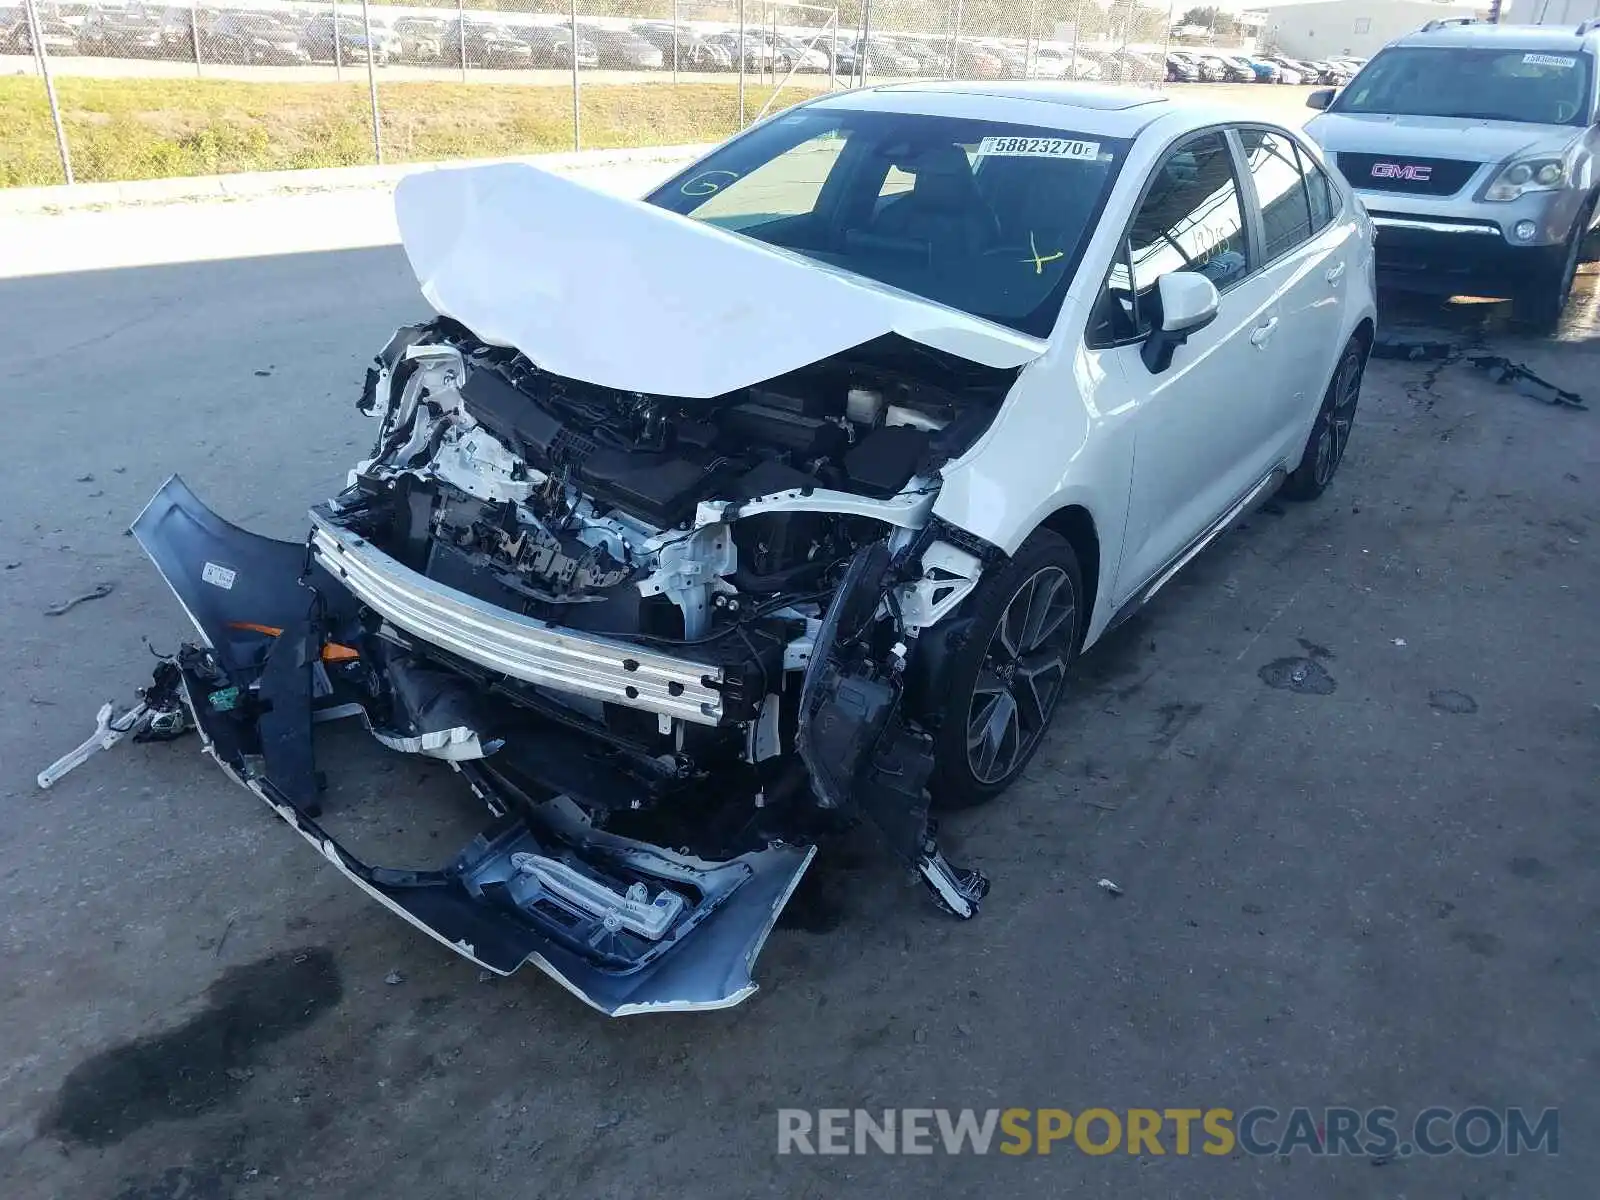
(254, 703)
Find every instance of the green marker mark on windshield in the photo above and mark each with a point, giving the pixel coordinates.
(1038, 260)
(708, 182)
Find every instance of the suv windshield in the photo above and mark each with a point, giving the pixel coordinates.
(982, 216)
(1538, 87)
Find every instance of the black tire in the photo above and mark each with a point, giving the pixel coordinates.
(1330, 434)
(1009, 673)
(1542, 306)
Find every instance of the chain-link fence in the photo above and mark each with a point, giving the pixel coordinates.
(126, 90)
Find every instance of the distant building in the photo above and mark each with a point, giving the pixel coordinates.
(1321, 28)
(1243, 33)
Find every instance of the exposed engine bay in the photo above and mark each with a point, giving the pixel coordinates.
(670, 644)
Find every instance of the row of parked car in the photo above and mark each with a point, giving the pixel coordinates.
(248, 37)
(1197, 66)
(285, 38)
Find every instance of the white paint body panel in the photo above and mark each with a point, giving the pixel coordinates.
(1155, 459)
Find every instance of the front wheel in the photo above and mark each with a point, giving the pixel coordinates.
(1542, 306)
(1330, 435)
(1009, 673)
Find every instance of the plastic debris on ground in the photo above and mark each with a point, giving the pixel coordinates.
(1520, 377)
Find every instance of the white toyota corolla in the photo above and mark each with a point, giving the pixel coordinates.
(700, 527)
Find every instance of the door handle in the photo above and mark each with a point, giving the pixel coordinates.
(1263, 333)
(1335, 274)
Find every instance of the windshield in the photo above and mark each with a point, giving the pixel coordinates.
(1488, 84)
(982, 216)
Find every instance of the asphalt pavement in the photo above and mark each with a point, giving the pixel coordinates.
(1377, 890)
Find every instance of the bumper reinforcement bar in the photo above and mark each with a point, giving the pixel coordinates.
(518, 646)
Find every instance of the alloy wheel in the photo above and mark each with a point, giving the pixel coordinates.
(1338, 417)
(1021, 675)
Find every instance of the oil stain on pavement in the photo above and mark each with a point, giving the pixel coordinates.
(191, 1068)
(1298, 675)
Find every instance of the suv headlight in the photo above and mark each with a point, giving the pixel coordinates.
(1527, 175)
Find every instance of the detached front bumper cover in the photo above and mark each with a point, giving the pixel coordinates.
(529, 889)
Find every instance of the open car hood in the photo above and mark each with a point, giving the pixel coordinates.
(620, 293)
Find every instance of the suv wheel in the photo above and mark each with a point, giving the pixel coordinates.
(1027, 620)
(1543, 304)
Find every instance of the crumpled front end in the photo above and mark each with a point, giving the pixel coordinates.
(665, 643)
(604, 914)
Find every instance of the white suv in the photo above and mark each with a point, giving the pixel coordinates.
(698, 527)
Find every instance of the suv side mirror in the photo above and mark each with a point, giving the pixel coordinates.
(1320, 99)
(1189, 302)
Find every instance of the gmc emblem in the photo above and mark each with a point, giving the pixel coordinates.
(1406, 171)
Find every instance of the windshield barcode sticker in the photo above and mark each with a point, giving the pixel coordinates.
(1033, 147)
(1549, 60)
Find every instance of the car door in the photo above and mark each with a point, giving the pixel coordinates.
(1306, 255)
(1200, 424)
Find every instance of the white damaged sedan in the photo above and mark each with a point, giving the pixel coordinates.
(699, 528)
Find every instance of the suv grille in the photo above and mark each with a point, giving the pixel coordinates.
(1393, 173)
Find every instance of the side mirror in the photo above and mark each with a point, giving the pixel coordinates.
(1320, 99)
(1189, 303)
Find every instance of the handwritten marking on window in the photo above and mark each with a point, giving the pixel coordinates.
(708, 183)
(1038, 260)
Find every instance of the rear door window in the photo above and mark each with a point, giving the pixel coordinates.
(1324, 200)
(1280, 189)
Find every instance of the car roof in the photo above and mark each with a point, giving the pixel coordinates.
(1085, 108)
(1105, 109)
(1485, 35)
